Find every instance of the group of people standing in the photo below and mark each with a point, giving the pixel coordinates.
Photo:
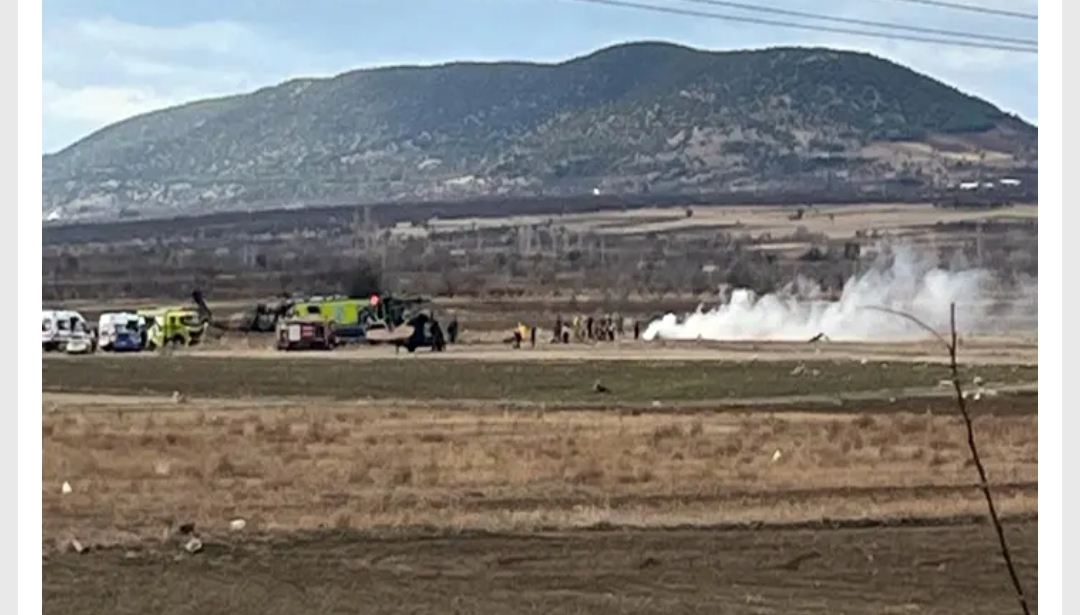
(602, 328)
(579, 329)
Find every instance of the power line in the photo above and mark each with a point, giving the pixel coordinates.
(865, 22)
(813, 28)
(956, 6)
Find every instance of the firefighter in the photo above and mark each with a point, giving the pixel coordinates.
(532, 337)
(520, 333)
(452, 330)
(589, 328)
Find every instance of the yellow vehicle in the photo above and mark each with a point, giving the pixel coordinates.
(353, 318)
(172, 327)
(336, 309)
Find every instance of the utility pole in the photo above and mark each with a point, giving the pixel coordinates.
(357, 230)
(369, 232)
(979, 242)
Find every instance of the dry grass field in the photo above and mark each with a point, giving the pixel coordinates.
(136, 474)
(418, 482)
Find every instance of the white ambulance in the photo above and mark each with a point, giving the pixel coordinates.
(67, 331)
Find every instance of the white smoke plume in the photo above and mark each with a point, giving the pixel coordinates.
(901, 279)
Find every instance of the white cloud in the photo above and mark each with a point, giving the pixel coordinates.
(98, 105)
(96, 72)
(214, 36)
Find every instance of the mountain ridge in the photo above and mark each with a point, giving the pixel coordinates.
(634, 117)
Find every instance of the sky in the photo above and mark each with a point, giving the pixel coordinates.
(107, 60)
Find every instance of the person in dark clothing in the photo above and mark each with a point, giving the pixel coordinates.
(589, 329)
(438, 341)
(637, 329)
(452, 331)
(532, 336)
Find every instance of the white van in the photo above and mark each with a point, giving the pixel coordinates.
(121, 331)
(58, 327)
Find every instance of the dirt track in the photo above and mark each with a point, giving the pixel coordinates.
(937, 570)
(976, 351)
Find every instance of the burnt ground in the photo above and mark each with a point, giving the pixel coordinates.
(949, 569)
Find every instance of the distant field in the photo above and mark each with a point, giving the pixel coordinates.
(836, 221)
(578, 251)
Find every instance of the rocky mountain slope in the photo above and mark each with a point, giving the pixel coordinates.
(633, 117)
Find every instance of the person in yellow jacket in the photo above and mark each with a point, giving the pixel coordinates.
(521, 333)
